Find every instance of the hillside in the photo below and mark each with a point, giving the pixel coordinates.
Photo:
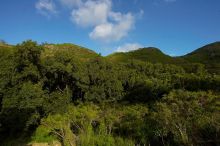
(4, 45)
(208, 55)
(150, 54)
(76, 51)
(63, 94)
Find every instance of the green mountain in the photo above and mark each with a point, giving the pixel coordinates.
(81, 53)
(208, 55)
(71, 49)
(4, 45)
(63, 94)
(150, 54)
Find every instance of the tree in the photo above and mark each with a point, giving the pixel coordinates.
(183, 114)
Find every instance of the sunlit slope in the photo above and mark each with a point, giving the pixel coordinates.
(79, 52)
(145, 54)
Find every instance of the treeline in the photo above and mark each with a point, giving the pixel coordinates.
(60, 96)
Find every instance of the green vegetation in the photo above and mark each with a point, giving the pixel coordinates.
(70, 94)
(153, 55)
(208, 55)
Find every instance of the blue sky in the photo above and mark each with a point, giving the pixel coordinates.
(175, 26)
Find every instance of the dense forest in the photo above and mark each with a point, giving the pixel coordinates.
(67, 94)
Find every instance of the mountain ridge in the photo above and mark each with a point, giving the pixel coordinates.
(209, 55)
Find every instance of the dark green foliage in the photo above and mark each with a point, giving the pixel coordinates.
(103, 81)
(71, 94)
(184, 115)
(22, 90)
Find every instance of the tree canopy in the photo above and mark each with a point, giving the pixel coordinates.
(77, 97)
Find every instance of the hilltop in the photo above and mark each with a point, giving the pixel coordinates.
(208, 55)
(74, 50)
(150, 54)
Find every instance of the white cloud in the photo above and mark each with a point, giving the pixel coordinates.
(107, 25)
(46, 7)
(108, 32)
(91, 13)
(129, 47)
